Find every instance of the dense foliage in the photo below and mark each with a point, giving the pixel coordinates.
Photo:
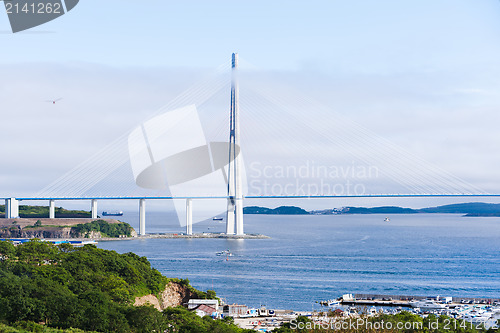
(106, 229)
(86, 288)
(86, 230)
(25, 326)
(26, 211)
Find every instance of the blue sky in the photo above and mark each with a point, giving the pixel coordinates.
(365, 36)
(424, 74)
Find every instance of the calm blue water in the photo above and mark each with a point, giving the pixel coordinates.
(312, 258)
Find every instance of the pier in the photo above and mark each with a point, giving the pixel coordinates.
(203, 235)
(369, 300)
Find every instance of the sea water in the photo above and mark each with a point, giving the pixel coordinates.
(317, 257)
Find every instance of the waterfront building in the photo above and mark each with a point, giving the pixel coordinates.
(234, 310)
(194, 303)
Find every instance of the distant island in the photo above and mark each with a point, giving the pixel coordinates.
(283, 210)
(468, 209)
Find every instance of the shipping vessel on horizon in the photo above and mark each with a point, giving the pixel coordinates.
(120, 213)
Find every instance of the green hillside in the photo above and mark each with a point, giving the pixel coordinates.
(87, 288)
(26, 211)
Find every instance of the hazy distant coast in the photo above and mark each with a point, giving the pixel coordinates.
(468, 209)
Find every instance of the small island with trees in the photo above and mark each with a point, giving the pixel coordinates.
(34, 223)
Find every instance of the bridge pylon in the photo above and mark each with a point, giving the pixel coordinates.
(234, 183)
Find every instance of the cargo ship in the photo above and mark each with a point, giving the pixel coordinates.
(120, 213)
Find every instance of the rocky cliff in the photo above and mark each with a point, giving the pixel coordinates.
(173, 295)
(41, 232)
(53, 228)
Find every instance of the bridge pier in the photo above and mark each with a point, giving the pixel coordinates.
(239, 216)
(93, 204)
(52, 209)
(11, 208)
(189, 216)
(234, 215)
(142, 217)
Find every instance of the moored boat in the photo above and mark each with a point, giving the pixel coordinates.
(427, 304)
(120, 213)
(332, 302)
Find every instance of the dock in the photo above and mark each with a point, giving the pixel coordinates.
(204, 235)
(376, 302)
(369, 300)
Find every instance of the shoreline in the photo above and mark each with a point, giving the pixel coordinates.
(180, 236)
(205, 235)
(157, 236)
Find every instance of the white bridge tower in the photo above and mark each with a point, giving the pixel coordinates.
(234, 184)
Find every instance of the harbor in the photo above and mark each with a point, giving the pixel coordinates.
(316, 265)
(406, 301)
(480, 313)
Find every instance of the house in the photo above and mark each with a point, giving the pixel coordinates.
(203, 310)
(194, 303)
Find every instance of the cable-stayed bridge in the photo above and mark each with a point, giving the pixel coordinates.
(289, 147)
(12, 210)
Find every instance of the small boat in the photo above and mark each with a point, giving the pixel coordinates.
(386, 219)
(331, 302)
(352, 311)
(224, 253)
(120, 213)
(218, 219)
(427, 305)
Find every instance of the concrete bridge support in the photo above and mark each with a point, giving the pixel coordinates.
(93, 209)
(11, 208)
(189, 216)
(52, 209)
(235, 188)
(142, 217)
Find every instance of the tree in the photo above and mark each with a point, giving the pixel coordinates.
(211, 294)
(146, 319)
(7, 250)
(36, 251)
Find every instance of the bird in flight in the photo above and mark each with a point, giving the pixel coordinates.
(53, 101)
